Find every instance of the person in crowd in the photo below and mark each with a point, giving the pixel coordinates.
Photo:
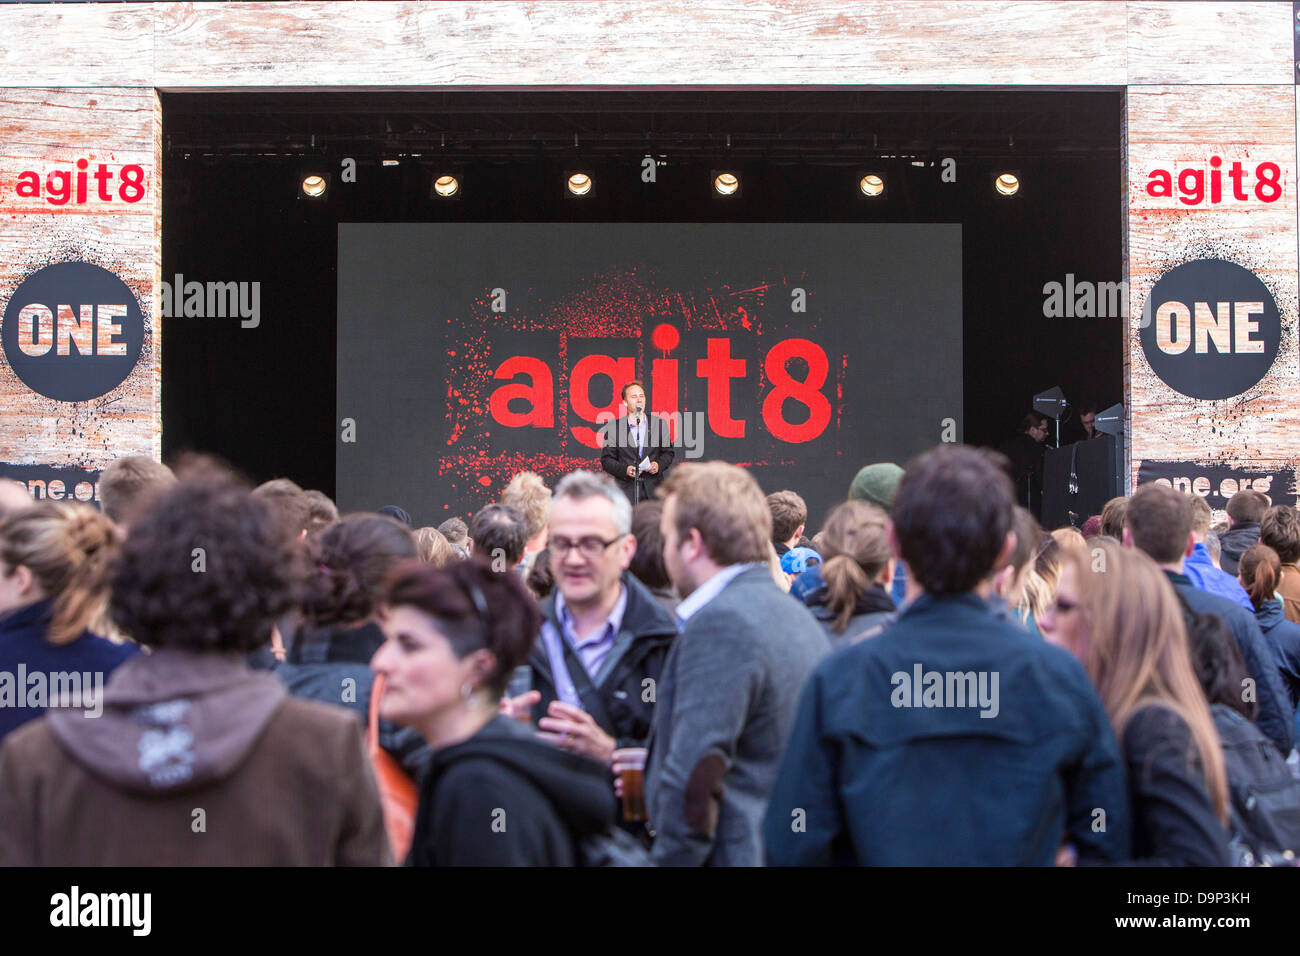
(857, 572)
(457, 534)
(1041, 577)
(1112, 517)
(876, 774)
(1159, 523)
(776, 567)
(1199, 566)
(1253, 766)
(189, 727)
(1214, 548)
(290, 502)
(55, 561)
(398, 513)
(433, 548)
(1280, 530)
(1091, 528)
(1024, 453)
(493, 795)
(129, 485)
(292, 508)
(648, 560)
(499, 533)
(727, 697)
(875, 484)
(789, 515)
(1245, 511)
(1122, 618)
(796, 561)
(321, 511)
(1259, 571)
(1006, 586)
(14, 496)
(1070, 539)
(540, 577)
(527, 492)
(328, 658)
(603, 635)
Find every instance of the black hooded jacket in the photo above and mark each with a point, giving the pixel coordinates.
(504, 798)
(616, 698)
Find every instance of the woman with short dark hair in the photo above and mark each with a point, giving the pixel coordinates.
(493, 795)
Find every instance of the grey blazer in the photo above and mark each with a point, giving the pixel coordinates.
(726, 704)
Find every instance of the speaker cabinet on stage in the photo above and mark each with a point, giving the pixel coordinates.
(1077, 480)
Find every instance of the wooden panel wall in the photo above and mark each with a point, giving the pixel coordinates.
(44, 130)
(1173, 128)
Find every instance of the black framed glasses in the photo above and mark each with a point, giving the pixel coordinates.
(590, 547)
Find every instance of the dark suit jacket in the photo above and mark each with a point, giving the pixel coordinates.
(615, 457)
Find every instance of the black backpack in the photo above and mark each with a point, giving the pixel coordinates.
(1265, 797)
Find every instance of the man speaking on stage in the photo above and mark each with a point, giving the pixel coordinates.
(637, 449)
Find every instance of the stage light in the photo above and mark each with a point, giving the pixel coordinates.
(392, 162)
(1007, 184)
(446, 187)
(579, 184)
(872, 185)
(314, 186)
(726, 184)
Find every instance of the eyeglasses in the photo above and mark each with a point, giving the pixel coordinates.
(590, 547)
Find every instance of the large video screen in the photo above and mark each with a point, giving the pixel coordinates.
(468, 352)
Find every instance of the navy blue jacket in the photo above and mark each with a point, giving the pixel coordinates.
(1276, 719)
(871, 775)
(23, 644)
(1283, 637)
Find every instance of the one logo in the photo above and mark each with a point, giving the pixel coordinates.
(72, 331)
(1213, 330)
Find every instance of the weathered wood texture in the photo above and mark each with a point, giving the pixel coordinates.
(45, 130)
(1214, 43)
(1173, 128)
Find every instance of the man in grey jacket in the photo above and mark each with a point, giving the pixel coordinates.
(730, 686)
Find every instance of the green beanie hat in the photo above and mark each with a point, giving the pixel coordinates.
(877, 484)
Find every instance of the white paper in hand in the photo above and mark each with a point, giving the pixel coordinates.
(645, 464)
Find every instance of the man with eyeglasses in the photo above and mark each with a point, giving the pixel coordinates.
(604, 636)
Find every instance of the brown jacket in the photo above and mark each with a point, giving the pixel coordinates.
(297, 790)
(1289, 588)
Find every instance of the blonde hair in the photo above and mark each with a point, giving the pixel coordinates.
(1138, 653)
(857, 549)
(68, 548)
(433, 547)
(1041, 578)
(529, 494)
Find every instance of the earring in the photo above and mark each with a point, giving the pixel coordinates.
(467, 690)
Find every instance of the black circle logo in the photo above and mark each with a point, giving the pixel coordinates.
(72, 331)
(1210, 329)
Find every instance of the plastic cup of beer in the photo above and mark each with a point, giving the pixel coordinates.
(629, 766)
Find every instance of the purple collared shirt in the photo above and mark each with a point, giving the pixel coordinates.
(592, 650)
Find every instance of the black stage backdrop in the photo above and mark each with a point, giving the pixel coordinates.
(470, 351)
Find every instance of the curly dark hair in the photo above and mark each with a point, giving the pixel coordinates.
(352, 557)
(208, 568)
(507, 629)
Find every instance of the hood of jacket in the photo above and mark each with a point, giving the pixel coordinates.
(1240, 538)
(1270, 614)
(874, 600)
(580, 789)
(172, 720)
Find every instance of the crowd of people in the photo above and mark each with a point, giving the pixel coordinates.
(204, 672)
